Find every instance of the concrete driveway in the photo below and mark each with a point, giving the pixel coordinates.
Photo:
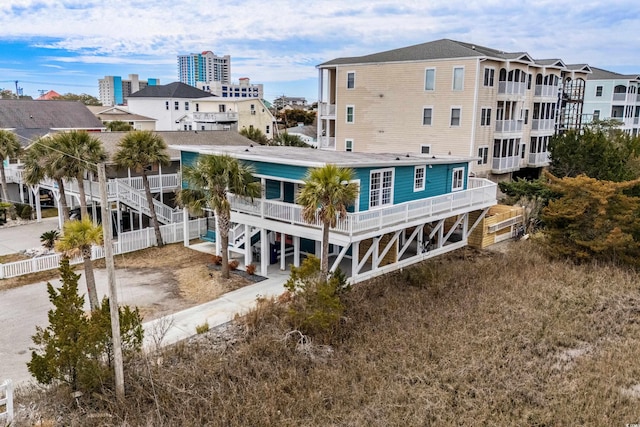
(22, 237)
(25, 307)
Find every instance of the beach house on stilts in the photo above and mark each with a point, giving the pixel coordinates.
(410, 207)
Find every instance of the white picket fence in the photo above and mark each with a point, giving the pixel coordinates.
(126, 242)
(6, 403)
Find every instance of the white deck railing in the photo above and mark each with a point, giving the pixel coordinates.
(126, 242)
(480, 192)
(6, 402)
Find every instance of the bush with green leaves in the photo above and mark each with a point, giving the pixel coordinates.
(316, 301)
(76, 348)
(48, 238)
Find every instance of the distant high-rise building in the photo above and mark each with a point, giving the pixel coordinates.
(113, 90)
(242, 89)
(204, 67)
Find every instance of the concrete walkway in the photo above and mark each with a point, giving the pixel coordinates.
(178, 326)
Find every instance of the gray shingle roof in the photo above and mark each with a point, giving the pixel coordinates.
(601, 74)
(171, 90)
(438, 49)
(206, 138)
(32, 119)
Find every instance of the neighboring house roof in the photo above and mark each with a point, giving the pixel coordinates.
(111, 114)
(310, 157)
(559, 63)
(171, 90)
(579, 67)
(307, 130)
(52, 94)
(601, 74)
(31, 119)
(200, 138)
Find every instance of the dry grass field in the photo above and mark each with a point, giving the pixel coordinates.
(472, 338)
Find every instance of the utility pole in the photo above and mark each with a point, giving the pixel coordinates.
(111, 275)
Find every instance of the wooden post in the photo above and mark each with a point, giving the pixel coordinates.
(111, 275)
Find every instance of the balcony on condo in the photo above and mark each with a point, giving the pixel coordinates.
(327, 142)
(327, 110)
(506, 155)
(223, 117)
(538, 159)
(544, 91)
(509, 126)
(543, 125)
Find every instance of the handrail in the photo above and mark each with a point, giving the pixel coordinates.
(479, 192)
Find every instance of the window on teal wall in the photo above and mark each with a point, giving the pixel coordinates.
(381, 188)
(418, 178)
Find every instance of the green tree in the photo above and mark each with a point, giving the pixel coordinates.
(49, 238)
(9, 148)
(254, 134)
(593, 219)
(600, 151)
(7, 94)
(209, 181)
(82, 153)
(288, 140)
(44, 160)
(73, 348)
(78, 237)
(86, 99)
(118, 126)
(294, 116)
(140, 150)
(325, 196)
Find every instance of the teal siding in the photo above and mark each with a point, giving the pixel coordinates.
(438, 180)
(284, 171)
(187, 159)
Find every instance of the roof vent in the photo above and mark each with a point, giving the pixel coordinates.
(246, 149)
(473, 47)
(397, 158)
(407, 155)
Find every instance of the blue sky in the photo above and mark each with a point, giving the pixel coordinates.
(67, 45)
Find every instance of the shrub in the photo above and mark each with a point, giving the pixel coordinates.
(26, 212)
(48, 238)
(316, 306)
(251, 269)
(233, 264)
(201, 329)
(75, 349)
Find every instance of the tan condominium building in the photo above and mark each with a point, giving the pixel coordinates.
(451, 98)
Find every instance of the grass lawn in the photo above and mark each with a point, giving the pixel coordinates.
(471, 338)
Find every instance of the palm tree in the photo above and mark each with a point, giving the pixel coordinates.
(325, 196)
(82, 153)
(9, 147)
(209, 180)
(139, 150)
(43, 160)
(288, 140)
(254, 134)
(78, 238)
(118, 126)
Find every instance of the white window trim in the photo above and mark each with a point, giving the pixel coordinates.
(453, 180)
(481, 161)
(346, 114)
(427, 146)
(494, 76)
(455, 107)
(346, 145)
(424, 82)
(393, 179)
(424, 178)
(422, 118)
(354, 80)
(453, 78)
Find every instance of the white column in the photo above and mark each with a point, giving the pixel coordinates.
(264, 252)
(185, 226)
(283, 247)
(355, 254)
(218, 246)
(247, 245)
(318, 250)
(36, 195)
(296, 251)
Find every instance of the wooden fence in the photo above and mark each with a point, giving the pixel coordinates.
(6, 403)
(126, 242)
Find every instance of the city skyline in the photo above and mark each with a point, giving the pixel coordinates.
(279, 45)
